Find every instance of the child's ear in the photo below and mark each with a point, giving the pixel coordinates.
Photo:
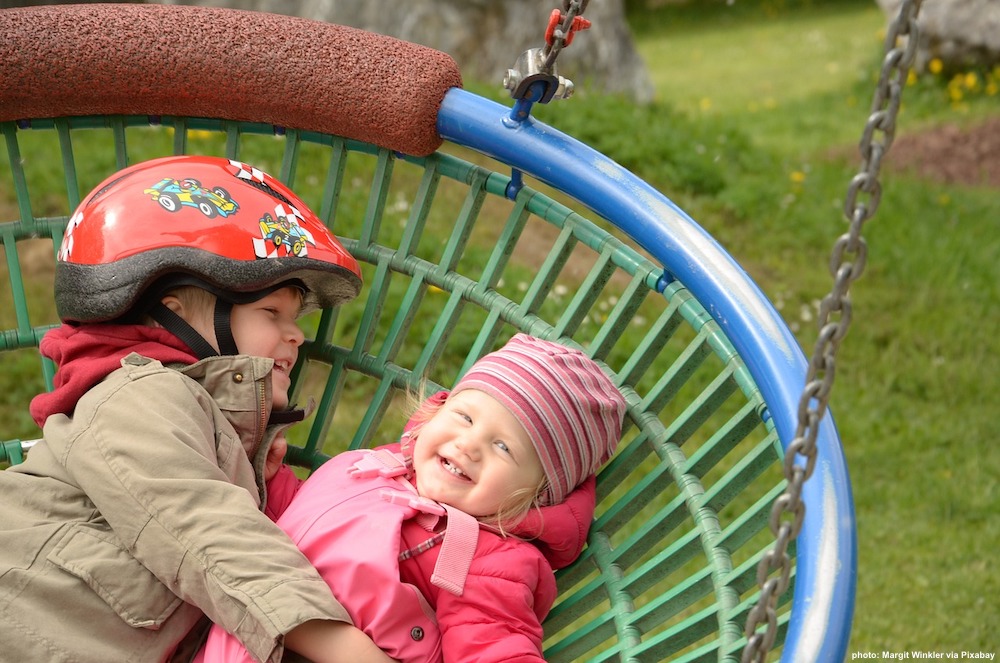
(173, 303)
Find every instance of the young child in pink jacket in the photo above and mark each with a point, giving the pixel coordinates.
(442, 547)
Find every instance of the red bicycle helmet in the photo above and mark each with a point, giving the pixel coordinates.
(216, 223)
(222, 224)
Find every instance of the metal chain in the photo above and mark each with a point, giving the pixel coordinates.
(533, 78)
(563, 34)
(847, 262)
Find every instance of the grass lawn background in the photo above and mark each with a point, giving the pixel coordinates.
(915, 397)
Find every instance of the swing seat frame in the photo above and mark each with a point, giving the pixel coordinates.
(424, 184)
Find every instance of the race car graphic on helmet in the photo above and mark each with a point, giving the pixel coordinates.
(283, 232)
(174, 194)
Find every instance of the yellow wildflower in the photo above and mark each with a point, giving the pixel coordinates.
(935, 66)
(955, 88)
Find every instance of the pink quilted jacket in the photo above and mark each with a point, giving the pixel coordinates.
(475, 596)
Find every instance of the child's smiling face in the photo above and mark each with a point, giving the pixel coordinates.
(267, 328)
(473, 454)
(264, 328)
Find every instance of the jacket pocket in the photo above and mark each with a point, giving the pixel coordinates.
(128, 587)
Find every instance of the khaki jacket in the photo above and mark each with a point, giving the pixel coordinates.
(141, 514)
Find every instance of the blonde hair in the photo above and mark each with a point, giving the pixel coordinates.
(195, 302)
(515, 506)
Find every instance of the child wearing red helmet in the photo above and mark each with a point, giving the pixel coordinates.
(139, 518)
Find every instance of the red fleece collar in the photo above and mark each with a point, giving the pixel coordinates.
(86, 354)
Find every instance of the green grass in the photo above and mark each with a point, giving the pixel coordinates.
(915, 394)
(759, 109)
(768, 71)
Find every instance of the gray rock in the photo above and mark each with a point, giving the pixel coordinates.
(961, 33)
(485, 37)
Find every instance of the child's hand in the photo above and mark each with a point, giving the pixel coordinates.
(275, 455)
(325, 641)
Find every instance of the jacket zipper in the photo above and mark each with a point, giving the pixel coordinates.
(262, 413)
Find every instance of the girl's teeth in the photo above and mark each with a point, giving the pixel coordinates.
(454, 470)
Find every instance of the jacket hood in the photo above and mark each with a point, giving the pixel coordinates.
(86, 354)
(560, 530)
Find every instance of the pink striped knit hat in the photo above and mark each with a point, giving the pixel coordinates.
(570, 408)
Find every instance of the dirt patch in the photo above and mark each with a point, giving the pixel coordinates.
(950, 154)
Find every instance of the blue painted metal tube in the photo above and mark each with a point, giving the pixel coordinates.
(826, 571)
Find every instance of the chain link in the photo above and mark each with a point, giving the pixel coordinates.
(533, 77)
(847, 262)
(563, 33)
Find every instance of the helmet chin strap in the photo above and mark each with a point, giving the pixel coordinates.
(223, 329)
(180, 327)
